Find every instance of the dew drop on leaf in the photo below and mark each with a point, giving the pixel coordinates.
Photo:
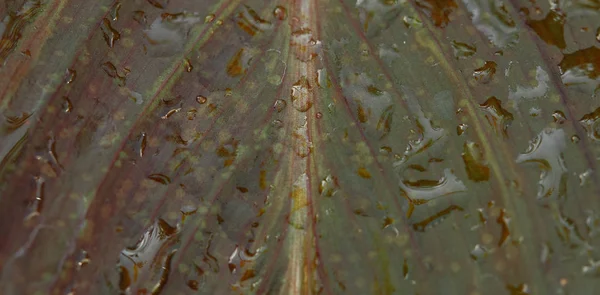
(279, 105)
(70, 76)
(280, 13)
(201, 99)
(559, 117)
(463, 50)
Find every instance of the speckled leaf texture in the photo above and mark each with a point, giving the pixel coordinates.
(300, 147)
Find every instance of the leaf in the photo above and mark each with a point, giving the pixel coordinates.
(299, 147)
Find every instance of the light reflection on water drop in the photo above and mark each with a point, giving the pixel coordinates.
(546, 149)
(146, 255)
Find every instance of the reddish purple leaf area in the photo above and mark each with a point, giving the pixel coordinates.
(299, 147)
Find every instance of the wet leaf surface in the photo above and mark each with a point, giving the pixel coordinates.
(299, 147)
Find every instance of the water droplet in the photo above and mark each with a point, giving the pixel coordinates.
(582, 69)
(461, 128)
(474, 162)
(188, 65)
(559, 117)
(249, 21)
(486, 73)
(143, 142)
(140, 17)
(434, 219)
(463, 50)
(280, 13)
(327, 186)
(144, 259)
(36, 205)
(498, 117)
(422, 191)
(527, 92)
(67, 105)
(494, 21)
(168, 34)
(201, 99)
(319, 115)
(479, 252)
(593, 269)
(209, 18)
(575, 139)
(277, 124)
(546, 149)
(170, 113)
(591, 123)
(70, 76)
(279, 105)
(83, 260)
(114, 12)
(13, 23)
(535, 111)
(110, 69)
(110, 34)
(550, 29)
(160, 178)
(300, 95)
(302, 145)
(583, 177)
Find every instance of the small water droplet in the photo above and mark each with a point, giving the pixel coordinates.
(479, 252)
(575, 139)
(463, 50)
(209, 18)
(114, 13)
(300, 95)
(109, 33)
(280, 13)
(559, 117)
(279, 105)
(201, 99)
(188, 65)
(170, 113)
(70, 76)
(327, 186)
(160, 178)
(497, 116)
(67, 105)
(535, 111)
(486, 73)
(140, 17)
(547, 148)
(277, 124)
(143, 142)
(591, 123)
(461, 128)
(319, 115)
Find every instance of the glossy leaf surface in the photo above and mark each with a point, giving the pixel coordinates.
(299, 147)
